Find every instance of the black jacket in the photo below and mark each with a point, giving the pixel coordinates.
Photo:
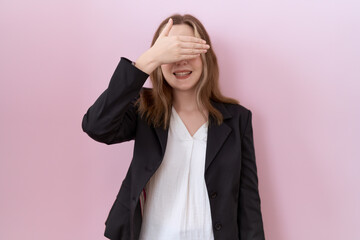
(230, 167)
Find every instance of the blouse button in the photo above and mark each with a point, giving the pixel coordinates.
(218, 226)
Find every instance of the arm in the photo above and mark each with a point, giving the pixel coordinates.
(249, 210)
(112, 118)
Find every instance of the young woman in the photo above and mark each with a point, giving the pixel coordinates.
(193, 175)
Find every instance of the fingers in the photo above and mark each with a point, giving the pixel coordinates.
(192, 51)
(191, 39)
(188, 45)
(188, 57)
(166, 30)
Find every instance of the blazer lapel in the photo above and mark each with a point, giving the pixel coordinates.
(162, 136)
(217, 134)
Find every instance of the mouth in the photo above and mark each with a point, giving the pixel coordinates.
(182, 74)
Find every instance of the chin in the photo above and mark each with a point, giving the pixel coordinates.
(183, 87)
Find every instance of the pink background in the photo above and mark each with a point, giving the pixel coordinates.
(295, 64)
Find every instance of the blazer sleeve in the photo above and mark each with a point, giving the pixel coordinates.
(112, 118)
(249, 209)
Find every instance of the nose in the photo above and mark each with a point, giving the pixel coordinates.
(182, 62)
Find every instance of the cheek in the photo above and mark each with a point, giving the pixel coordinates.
(166, 69)
(197, 63)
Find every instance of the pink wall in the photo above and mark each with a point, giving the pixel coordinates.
(295, 64)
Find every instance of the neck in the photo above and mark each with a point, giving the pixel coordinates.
(184, 100)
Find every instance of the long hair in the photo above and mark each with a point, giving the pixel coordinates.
(155, 104)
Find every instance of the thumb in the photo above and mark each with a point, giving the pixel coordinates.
(166, 30)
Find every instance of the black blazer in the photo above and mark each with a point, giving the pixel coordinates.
(230, 167)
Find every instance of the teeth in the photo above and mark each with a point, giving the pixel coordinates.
(182, 73)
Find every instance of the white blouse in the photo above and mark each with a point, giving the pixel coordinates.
(177, 204)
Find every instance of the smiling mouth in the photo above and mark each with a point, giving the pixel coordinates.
(180, 74)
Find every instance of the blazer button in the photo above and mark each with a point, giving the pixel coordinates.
(213, 195)
(218, 226)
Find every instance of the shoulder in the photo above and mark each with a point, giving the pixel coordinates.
(239, 115)
(146, 90)
(234, 109)
(237, 108)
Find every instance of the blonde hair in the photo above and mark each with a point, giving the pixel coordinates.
(155, 104)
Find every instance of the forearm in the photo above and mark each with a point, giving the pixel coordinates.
(110, 118)
(249, 212)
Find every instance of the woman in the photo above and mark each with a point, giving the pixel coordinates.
(193, 174)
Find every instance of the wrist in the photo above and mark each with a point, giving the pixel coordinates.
(147, 62)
